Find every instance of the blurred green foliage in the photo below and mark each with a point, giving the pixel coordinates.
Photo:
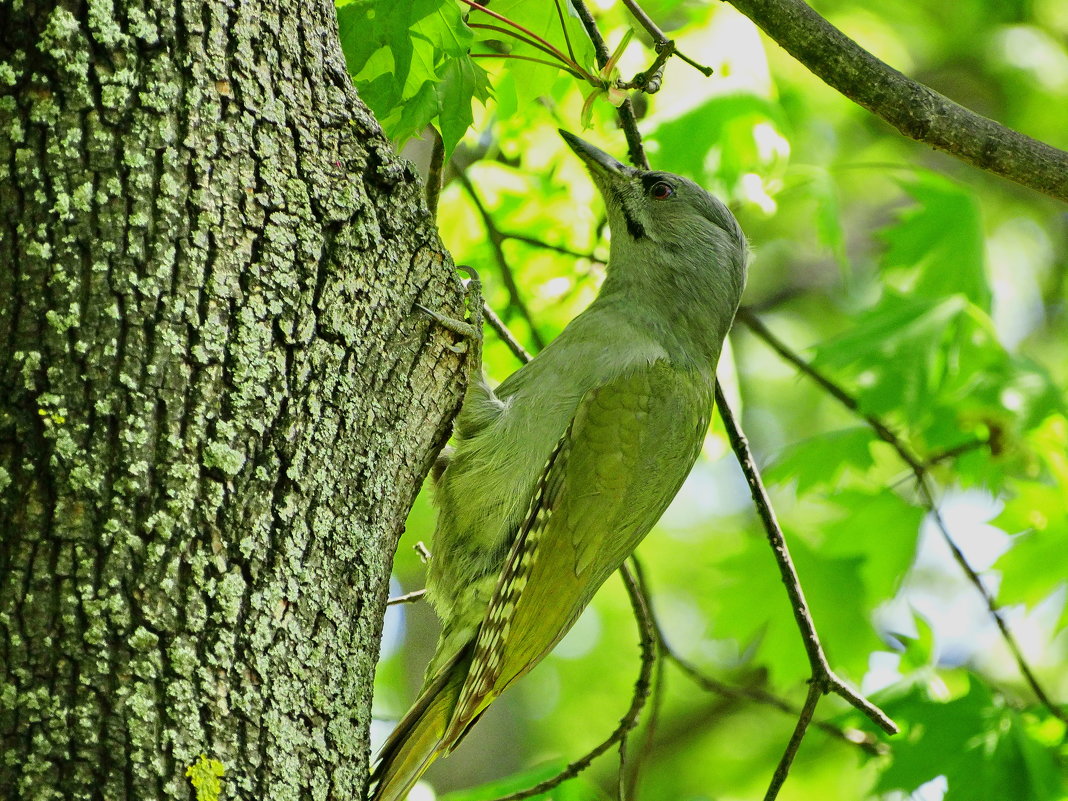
(934, 294)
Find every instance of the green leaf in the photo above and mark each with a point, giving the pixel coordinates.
(933, 362)
(462, 81)
(920, 651)
(821, 460)
(882, 529)
(938, 243)
(411, 66)
(835, 592)
(984, 749)
(829, 230)
(539, 17)
(444, 28)
(840, 601)
(715, 142)
(417, 112)
(1037, 514)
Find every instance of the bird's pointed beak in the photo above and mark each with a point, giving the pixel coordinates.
(601, 166)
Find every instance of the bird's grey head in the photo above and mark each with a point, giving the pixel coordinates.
(667, 230)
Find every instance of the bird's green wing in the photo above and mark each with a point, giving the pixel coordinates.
(624, 456)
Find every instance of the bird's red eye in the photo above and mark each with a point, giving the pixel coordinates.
(661, 190)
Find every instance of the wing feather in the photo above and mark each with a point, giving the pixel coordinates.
(624, 456)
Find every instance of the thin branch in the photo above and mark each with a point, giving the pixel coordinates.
(634, 778)
(957, 450)
(407, 598)
(861, 739)
(853, 736)
(660, 40)
(782, 770)
(526, 239)
(641, 693)
(918, 467)
(915, 110)
(822, 676)
(650, 80)
(497, 324)
(625, 111)
(496, 239)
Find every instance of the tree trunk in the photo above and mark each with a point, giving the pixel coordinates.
(216, 398)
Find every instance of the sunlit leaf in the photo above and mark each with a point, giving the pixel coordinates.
(410, 63)
(462, 81)
(882, 529)
(719, 141)
(820, 460)
(938, 241)
(982, 747)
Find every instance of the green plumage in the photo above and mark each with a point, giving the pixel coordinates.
(559, 474)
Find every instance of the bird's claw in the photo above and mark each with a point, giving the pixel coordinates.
(468, 330)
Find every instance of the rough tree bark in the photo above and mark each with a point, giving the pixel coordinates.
(216, 400)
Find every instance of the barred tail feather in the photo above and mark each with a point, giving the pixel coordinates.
(417, 740)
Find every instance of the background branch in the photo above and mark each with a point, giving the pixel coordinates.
(823, 677)
(496, 238)
(919, 469)
(629, 720)
(662, 44)
(915, 110)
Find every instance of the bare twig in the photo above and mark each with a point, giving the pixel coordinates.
(863, 740)
(782, 770)
(918, 467)
(641, 693)
(853, 736)
(822, 676)
(915, 110)
(632, 778)
(661, 43)
(407, 598)
(621, 774)
(497, 324)
(651, 79)
(496, 239)
(626, 110)
(956, 450)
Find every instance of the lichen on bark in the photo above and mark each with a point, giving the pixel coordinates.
(216, 402)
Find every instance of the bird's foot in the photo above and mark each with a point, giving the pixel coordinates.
(468, 330)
